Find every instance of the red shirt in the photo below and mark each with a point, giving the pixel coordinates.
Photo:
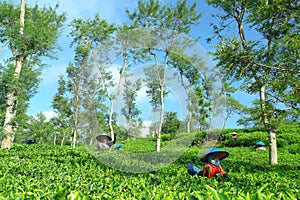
(210, 170)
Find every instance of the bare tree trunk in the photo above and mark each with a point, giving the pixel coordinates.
(161, 118)
(111, 110)
(211, 119)
(54, 140)
(224, 122)
(273, 148)
(188, 91)
(91, 139)
(162, 81)
(113, 96)
(74, 138)
(271, 133)
(63, 138)
(190, 117)
(11, 96)
(76, 112)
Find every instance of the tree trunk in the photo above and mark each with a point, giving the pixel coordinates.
(190, 117)
(8, 127)
(161, 118)
(112, 98)
(162, 81)
(11, 96)
(75, 127)
(74, 138)
(54, 140)
(273, 148)
(271, 132)
(63, 138)
(210, 122)
(188, 91)
(224, 122)
(91, 137)
(111, 128)
(154, 122)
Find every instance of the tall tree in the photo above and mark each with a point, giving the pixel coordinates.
(40, 129)
(121, 45)
(153, 92)
(232, 105)
(190, 76)
(267, 65)
(33, 37)
(61, 104)
(130, 110)
(200, 107)
(171, 123)
(178, 18)
(86, 36)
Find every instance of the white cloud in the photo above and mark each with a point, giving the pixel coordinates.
(49, 114)
(147, 123)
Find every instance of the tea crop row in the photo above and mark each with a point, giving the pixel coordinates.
(53, 172)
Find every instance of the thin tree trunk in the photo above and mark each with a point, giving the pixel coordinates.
(190, 110)
(162, 81)
(54, 140)
(211, 118)
(154, 122)
(111, 109)
(112, 97)
(161, 118)
(74, 138)
(224, 122)
(271, 133)
(91, 139)
(63, 138)
(11, 96)
(76, 111)
(188, 91)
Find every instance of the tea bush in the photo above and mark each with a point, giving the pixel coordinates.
(54, 172)
(286, 135)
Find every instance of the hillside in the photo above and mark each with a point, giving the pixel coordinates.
(54, 172)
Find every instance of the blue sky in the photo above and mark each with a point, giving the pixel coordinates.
(112, 11)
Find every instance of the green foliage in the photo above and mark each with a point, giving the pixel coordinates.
(286, 135)
(265, 64)
(22, 65)
(53, 172)
(135, 144)
(247, 139)
(171, 123)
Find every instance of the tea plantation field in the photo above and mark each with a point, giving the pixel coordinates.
(54, 172)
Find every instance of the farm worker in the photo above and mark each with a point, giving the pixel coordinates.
(260, 145)
(212, 167)
(30, 141)
(234, 135)
(103, 145)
